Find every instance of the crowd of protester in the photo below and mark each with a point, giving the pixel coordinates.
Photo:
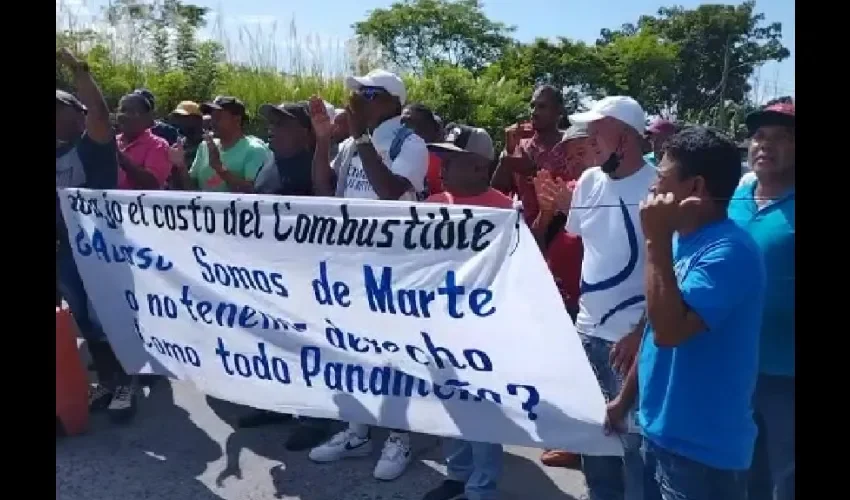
(677, 272)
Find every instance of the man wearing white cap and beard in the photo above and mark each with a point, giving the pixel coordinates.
(381, 160)
(603, 210)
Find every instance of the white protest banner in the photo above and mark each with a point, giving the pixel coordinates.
(443, 320)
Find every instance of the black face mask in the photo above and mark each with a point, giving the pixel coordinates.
(610, 165)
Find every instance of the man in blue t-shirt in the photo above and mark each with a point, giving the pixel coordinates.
(764, 205)
(698, 361)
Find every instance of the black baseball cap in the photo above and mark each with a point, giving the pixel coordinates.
(298, 111)
(226, 103)
(147, 94)
(68, 99)
(140, 98)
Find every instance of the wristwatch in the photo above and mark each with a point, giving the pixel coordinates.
(363, 139)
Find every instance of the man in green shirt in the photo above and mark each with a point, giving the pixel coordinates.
(228, 160)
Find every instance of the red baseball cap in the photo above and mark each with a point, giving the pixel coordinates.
(781, 113)
(661, 126)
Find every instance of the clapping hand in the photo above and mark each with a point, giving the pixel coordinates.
(553, 194)
(356, 110)
(322, 125)
(177, 154)
(213, 153)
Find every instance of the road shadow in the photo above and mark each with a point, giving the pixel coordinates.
(295, 475)
(520, 476)
(266, 441)
(160, 454)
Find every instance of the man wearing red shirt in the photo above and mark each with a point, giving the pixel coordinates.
(143, 158)
(564, 156)
(473, 468)
(561, 156)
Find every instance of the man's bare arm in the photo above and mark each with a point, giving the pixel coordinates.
(98, 126)
(387, 185)
(323, 174)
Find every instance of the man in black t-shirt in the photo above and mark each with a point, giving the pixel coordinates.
(292, 141)
(86, 156)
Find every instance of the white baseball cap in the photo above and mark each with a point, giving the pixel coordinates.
(379, 78)
(619, 107)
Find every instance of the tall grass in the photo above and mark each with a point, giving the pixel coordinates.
(257, 64)
(262, 63)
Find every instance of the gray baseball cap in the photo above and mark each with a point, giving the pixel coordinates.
(577, 131)
(479, 143)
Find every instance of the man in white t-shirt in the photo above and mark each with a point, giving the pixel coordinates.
(604, 213)
(381, 160)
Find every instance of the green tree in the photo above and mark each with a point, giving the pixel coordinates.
(565, 64)
(189, 19)
(415, 33)
(160, 51)
(153, 23)
(714, 41)
(640, 64)
(457, 95)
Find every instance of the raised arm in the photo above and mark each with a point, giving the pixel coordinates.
(98, 126)
(324, 179)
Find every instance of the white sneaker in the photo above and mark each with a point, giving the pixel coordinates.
(394, 457)
(344, 444)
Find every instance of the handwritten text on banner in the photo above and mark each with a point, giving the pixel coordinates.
(442, 320)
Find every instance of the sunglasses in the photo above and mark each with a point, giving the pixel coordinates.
(370, 93)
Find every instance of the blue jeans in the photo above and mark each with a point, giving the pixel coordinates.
(70, 285)
(478, 465)
(674, 477)
(772, 473)
(611, 478)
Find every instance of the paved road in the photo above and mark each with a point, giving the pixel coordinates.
(182, 446)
